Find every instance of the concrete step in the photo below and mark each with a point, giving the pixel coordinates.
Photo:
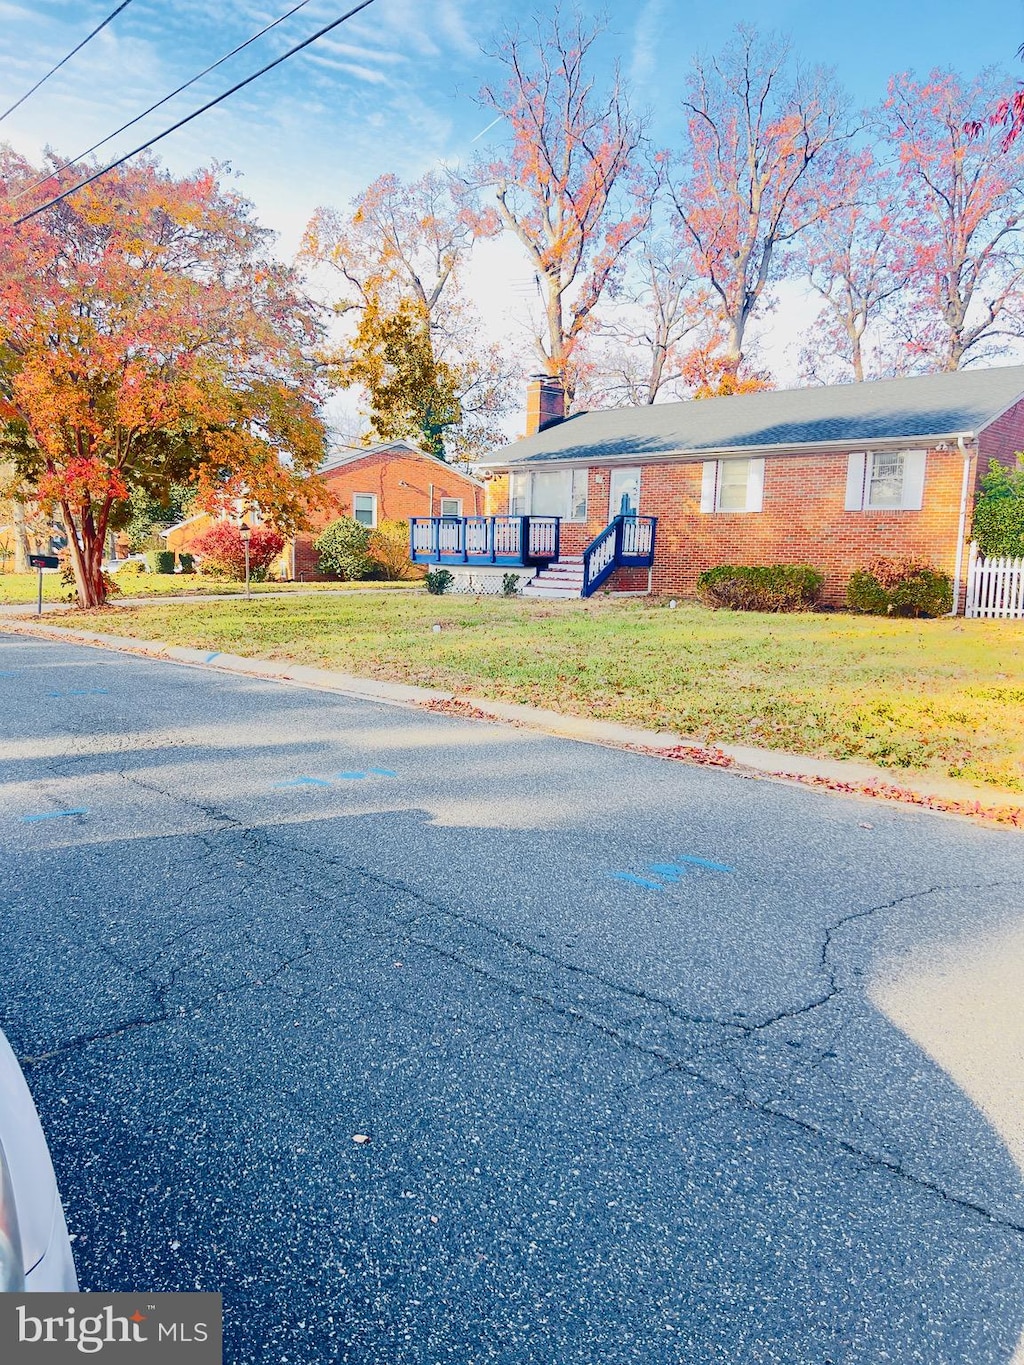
(536, 589)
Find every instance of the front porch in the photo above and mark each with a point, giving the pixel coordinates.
(531, 544)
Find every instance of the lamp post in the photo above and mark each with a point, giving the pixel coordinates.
(245, 531)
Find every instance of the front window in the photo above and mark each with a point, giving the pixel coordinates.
(451, 507)
(548, 493)
(885, 488)
(733, 482)
(364, 508)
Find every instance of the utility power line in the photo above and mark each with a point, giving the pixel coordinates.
(195, 114)
(53, 69)
(159, 104)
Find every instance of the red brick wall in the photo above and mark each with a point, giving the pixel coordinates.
(383, 473)
(804, 521)
(1001, 440)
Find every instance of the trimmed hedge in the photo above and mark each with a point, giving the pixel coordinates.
(899, 587)
(160, 561)
(343, 549)
(760, 587)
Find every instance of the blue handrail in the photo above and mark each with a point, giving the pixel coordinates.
(626, 542)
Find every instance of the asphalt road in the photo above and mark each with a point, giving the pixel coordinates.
(766, 1106)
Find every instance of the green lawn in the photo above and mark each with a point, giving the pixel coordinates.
(23, 587)
(943, 697)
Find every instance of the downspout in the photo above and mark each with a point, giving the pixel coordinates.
(965, 488)
(431, 512)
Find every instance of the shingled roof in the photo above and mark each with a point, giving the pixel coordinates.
(939, 407)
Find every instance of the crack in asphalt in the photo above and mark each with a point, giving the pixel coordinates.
(260, 840)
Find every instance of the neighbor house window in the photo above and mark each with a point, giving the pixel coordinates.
(548, 493)
(732, 486)
(883, 480)
(451, 507)
(364, 508)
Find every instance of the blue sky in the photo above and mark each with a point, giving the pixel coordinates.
(395, 89)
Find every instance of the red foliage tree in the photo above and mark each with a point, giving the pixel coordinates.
(858, 258)
(757, 167)
(222, 550)
(965, 203)
(569, 188)
(149, 339)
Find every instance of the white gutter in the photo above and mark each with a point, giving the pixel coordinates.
(717, 452)
(965, 488)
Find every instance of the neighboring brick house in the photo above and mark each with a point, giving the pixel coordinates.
(389, 482)
(826, 476)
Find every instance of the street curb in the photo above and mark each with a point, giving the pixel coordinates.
(840, 776)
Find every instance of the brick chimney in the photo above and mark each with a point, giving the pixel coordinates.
(545, 403)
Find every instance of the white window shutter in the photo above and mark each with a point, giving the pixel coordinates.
(913, 480)
(855, 467)
(708, 485)
(755, 486)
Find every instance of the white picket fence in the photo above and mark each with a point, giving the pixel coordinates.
(995, 587)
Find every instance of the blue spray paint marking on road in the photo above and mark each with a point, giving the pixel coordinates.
(348, 777)
(636, 881)
(704, 862)
(53, 815)
(80, 692)
(210, 657)
(7, 673)
(383, 772)
(303, 782)
(668, 872)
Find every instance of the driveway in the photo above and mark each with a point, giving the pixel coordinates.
(652, 1063)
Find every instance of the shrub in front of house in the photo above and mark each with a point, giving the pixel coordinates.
(438, 581)
(389, 549)
(221, 551)
(899, 587)
(160, 561)
(998, 524)
(343, 549)
(187, 562)
(760, 587)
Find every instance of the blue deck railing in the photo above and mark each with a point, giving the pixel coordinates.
(625, 543)
(512, 541)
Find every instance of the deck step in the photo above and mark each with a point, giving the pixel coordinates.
(562, 578)
(536, 589)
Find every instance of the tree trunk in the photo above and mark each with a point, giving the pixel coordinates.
(86, 551)
(22, 548)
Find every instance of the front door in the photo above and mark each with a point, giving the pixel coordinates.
(624, 495)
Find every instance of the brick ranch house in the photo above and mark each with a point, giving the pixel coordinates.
(645, 498)
(394, 481)
(390, 482)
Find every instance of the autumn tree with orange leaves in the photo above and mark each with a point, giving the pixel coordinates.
(759, 151)
(859, 259)
(416, 351)
(569, 187)
(964, 192)
(152, 340)
(641, 348)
